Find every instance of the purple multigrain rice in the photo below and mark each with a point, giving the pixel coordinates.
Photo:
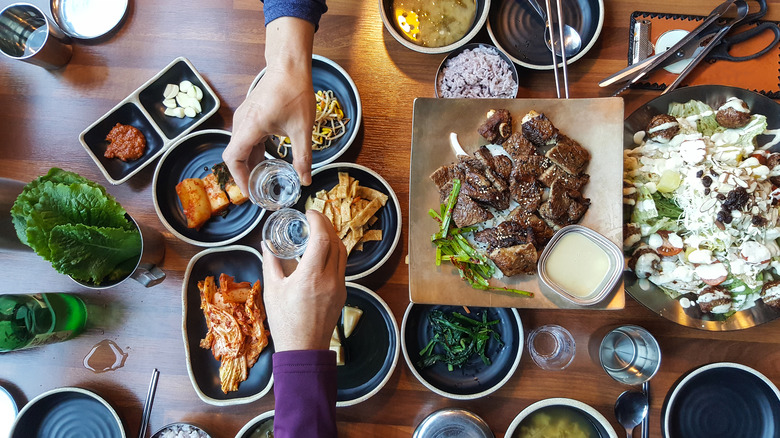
(478, 72)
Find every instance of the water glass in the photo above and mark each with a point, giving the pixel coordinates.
(274, 184)
(630, 354)
(551, 347)
(286, 233)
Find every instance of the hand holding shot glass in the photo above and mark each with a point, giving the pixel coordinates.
(274, 185)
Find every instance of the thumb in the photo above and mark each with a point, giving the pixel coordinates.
(301, 145)
(272, 267)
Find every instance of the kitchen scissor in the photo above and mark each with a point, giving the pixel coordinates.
(708, 40)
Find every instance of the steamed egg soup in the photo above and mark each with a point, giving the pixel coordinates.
(436, 23)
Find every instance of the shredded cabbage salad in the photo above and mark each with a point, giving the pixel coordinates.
(703, 209)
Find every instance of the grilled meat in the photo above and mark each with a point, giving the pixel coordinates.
(554, 173)
(526, 191)
(568, 154)
(466, 212)
(505, 234)
(445, 174)
(663, 128)
(565, 206)
(518, 146)
(497, 127)
(518, 259)
(538, 129)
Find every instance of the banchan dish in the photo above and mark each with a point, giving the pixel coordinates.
(192, 157)
(374, 254)
(722, 400)
(143, 109)
(258, 427)
(244, 264)
(371, 352)
(326, 74)
(65, 413)
(573, 410)
(474, 379)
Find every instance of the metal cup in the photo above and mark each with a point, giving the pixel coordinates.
(630, 354)
(9, 191)
(27, 34)
(146, 271)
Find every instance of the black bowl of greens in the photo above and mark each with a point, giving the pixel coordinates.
(493, 340)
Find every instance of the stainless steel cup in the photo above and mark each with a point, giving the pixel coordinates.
(630, 354)
(146, 271)
(9, 191)
(27, 34)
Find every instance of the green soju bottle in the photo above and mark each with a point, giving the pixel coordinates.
(31, 320)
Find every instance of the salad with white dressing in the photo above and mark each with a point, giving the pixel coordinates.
(704, 207)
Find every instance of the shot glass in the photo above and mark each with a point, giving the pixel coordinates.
(630, 354)
(274, 184)
(286, 233)
(28, 35)
(551, 347)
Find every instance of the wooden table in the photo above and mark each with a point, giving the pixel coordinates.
(43, 112)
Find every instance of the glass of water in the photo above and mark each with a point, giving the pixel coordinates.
(274, 184)
(286, 233)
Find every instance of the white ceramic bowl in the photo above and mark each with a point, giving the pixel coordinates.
(249, 427)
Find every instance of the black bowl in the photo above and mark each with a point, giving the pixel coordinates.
(722, 400)
(192, 157)
(374, 254)
(474, 379)
(244, 264)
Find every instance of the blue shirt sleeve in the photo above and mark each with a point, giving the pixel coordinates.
(309, 10)
(305, 394)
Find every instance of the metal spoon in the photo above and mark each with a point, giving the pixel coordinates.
(630, 409)
(572, 42)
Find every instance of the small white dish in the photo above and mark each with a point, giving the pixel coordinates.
(250, 427)
(601, 424)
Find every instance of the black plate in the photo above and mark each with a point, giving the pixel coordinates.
(243, 264)
(722, 400)
(65, 413)
(192, 157)
(653, 298)
(374, 254)
(518, 30)
(371, 352)
(151, 99)
(474, 379)
(327, 75)
(94, 138)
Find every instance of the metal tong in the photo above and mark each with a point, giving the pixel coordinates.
(696, 45)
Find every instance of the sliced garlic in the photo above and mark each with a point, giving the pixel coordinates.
(192, 93)
(171, 112)
(190, 112)
(178, 112)
(198, 92)
(171, 90)
(169, 103)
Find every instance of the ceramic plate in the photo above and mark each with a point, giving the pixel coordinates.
(722, 400)
(327, 75)
(518, 30)
(261, 424)
(143, 109)
(474, 379)
(243, 264)
(374, 254)
(655, 299)
(65, 413)
(595, 123)
(371, 352)
(192, 157)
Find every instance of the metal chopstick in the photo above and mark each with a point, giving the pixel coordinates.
(549, 25)
(148, 404)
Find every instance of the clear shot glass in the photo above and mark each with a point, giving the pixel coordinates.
(274, 185)
(551, 347)
(286, 233)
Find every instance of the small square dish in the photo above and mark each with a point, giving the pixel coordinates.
(144, 110)
(94, 141)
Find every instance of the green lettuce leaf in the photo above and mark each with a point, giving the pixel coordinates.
(705, 122)
(94, 254)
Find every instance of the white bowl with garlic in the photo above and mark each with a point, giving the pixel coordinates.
(164, 109)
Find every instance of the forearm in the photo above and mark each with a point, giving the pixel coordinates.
(305, 391)
(288, 45)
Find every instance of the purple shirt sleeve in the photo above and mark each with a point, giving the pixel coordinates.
(309, 10)
(305, 392)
